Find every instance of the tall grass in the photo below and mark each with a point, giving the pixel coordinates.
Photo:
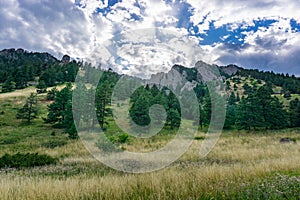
(242, 165)
(229, 170)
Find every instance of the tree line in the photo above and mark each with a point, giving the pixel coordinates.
(19, 69)
(256, 109)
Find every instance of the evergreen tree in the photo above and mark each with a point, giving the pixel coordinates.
(103, 94)
(232, 99)
(30, 109)
(271, 109)
(247, 89)
(51, 94)
(139, 111)
(248, 113)
(57, 110)
(278, 116)
(9, 85)
(68, 122)
(230, 116)
(41, 87)
(207, 104)
(294, 113)
(173, 118)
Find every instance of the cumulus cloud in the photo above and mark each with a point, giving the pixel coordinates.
(82, 27)
(273, 48)
(51, 25)
(147, 51)
(269, 48)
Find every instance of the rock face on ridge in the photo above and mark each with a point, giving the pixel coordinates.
(23, 55)
(189, 77)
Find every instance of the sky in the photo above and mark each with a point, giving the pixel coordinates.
(260, 34)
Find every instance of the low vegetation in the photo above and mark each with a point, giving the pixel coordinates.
(41, 157)
(20, 160)
(243, 165)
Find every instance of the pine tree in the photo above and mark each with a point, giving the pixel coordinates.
(232, 99)
(51, 94)
(294, 113)
(230, 116)
(103, 94)
(9, 85)
(278, 116)
(30, 109)
(173, 118)
(139, 111)
(58, 107)
(207, 104)
(271, 109)
(249, 113)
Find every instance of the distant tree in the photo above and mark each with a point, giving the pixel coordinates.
(139, 111)
(173, 118)
(30, 109)
(248, 89)
(230, 116)
(260, 109)
(68, 122)
(60, 111)
(249, 113)
(278, 117)
(57, 110)
(9, 85)
(235, 87)
(227, 85)
(294, 113)
(154, 90)
(41, 87)
(230, 111)
(232, 99)
(272, 110)
(103, 94)
(51, 94)
(207, 104)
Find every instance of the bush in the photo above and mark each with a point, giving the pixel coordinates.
(199, 138)
(20, 160)
(122, 138)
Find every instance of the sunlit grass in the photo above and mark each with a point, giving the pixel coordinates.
(239, 166)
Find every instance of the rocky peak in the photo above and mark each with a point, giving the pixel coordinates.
(230, 69)
(65, 59)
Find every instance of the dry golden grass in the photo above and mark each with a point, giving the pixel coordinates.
(235, 161)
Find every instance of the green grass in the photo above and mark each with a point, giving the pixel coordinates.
(242, 165)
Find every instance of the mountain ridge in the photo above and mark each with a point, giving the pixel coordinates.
(20, 66)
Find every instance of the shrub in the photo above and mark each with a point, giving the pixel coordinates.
(122, 138)
(20, 160)
(199, 137)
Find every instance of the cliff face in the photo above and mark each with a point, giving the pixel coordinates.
(21, 54)
(230, 70)
(189, 77)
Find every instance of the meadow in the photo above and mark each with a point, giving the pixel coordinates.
(242, 165)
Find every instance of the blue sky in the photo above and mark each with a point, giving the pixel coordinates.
(260, 34)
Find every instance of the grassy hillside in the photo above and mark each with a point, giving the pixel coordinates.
(237, 82)
(241, 166)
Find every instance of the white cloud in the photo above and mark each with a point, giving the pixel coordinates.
(273, 48)
(63, 27)
(54, 26)
(236, 11)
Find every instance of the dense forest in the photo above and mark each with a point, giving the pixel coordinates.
(19, 69)
(253, 109)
